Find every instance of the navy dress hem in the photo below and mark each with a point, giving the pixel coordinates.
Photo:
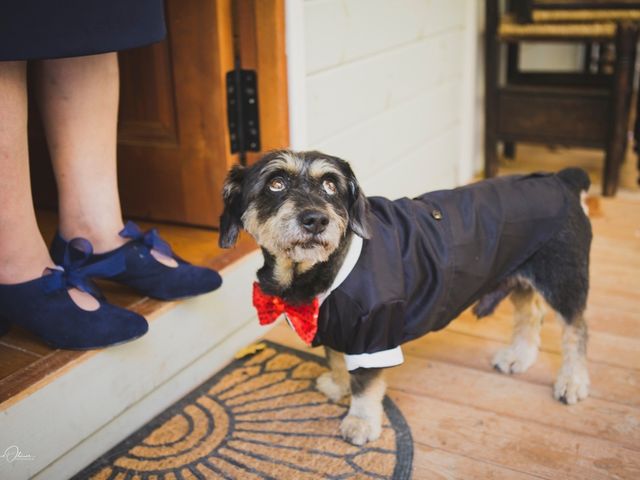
(42, 29)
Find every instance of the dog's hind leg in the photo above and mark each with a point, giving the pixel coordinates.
(525, 339)
(572, 384)
(335, 383)
(363, 423)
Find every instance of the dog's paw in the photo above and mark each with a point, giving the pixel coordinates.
(333, 390)
(358, 430)
(515, 358)
(572, 385)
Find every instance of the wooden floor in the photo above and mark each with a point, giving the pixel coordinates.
(469, 421)
(25, 361)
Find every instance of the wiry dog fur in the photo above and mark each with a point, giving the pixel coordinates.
(298, 265)
(302, 207)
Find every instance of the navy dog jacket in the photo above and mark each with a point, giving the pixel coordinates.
(431, 257)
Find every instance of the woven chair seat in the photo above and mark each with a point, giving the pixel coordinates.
(510, 29)
(553, 16)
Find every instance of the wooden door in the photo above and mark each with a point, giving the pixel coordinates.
(173, 139)
(173, 147)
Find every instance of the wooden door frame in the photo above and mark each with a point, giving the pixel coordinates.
(255, 29)
(260, 27)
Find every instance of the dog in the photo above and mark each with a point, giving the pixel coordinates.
(361, 276)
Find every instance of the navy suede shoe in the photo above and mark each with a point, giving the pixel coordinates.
(43, 306)
(144, 273)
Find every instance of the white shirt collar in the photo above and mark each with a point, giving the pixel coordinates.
(350, 260)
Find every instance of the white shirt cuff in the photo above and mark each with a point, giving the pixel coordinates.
(385, 358)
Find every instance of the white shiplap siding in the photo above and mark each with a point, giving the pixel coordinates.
(383, 85)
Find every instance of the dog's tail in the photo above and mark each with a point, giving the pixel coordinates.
(575, 178)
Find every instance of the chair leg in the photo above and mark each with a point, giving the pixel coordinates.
(491, 90)
(510, 150)
(588, 57)
(622, 84)
(636, 132)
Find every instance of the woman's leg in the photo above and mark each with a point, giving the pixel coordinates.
(23, 253)
(79, 103)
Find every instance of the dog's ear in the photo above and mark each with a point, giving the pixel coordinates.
(358, 207)
(231, 218)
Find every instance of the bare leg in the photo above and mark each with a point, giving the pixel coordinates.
(23, 253)
(79, 103)
(363, 423)
(335, 383)
(525, 340)
(572, 383)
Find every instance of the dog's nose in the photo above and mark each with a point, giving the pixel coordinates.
(314, 221)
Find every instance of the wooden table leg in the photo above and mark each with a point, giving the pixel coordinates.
(491, 90)
(623, 80)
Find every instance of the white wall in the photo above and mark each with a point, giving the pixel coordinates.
(387, 85)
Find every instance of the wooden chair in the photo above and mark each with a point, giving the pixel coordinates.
(636, 132)
(589, 108)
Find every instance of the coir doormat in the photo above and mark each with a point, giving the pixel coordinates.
(261, 417)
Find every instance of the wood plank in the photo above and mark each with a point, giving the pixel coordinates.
(434, 463)
(603, 347)
(510, 397)
(614, 318)
(611, 384)
(491, 394)
(614, 384)
(450, 366)
(25, 378)
(20, 339)
(13, 359)
(609, 311)
(523, 446)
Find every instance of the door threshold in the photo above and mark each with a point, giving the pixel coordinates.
(27, 364)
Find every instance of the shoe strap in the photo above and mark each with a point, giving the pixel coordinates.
(76, 271)
(151, 239)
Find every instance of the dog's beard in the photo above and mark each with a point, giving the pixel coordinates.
(310, 254)
(283, 236)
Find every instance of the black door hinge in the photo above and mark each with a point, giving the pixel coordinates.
(242, 108)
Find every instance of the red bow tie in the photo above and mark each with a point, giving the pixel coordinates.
(303, 318)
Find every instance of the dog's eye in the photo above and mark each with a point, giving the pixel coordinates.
(277, 185)
(329, 187)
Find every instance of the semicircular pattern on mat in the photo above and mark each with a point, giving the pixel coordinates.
(260, 417)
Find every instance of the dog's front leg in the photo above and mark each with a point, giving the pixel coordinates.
(363, 423)
(334, 383)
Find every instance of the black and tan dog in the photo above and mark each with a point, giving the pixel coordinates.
(362, 276)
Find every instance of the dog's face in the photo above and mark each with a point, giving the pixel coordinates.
(297, 205)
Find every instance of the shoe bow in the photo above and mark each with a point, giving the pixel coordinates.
(76, 271)
(150, 238)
